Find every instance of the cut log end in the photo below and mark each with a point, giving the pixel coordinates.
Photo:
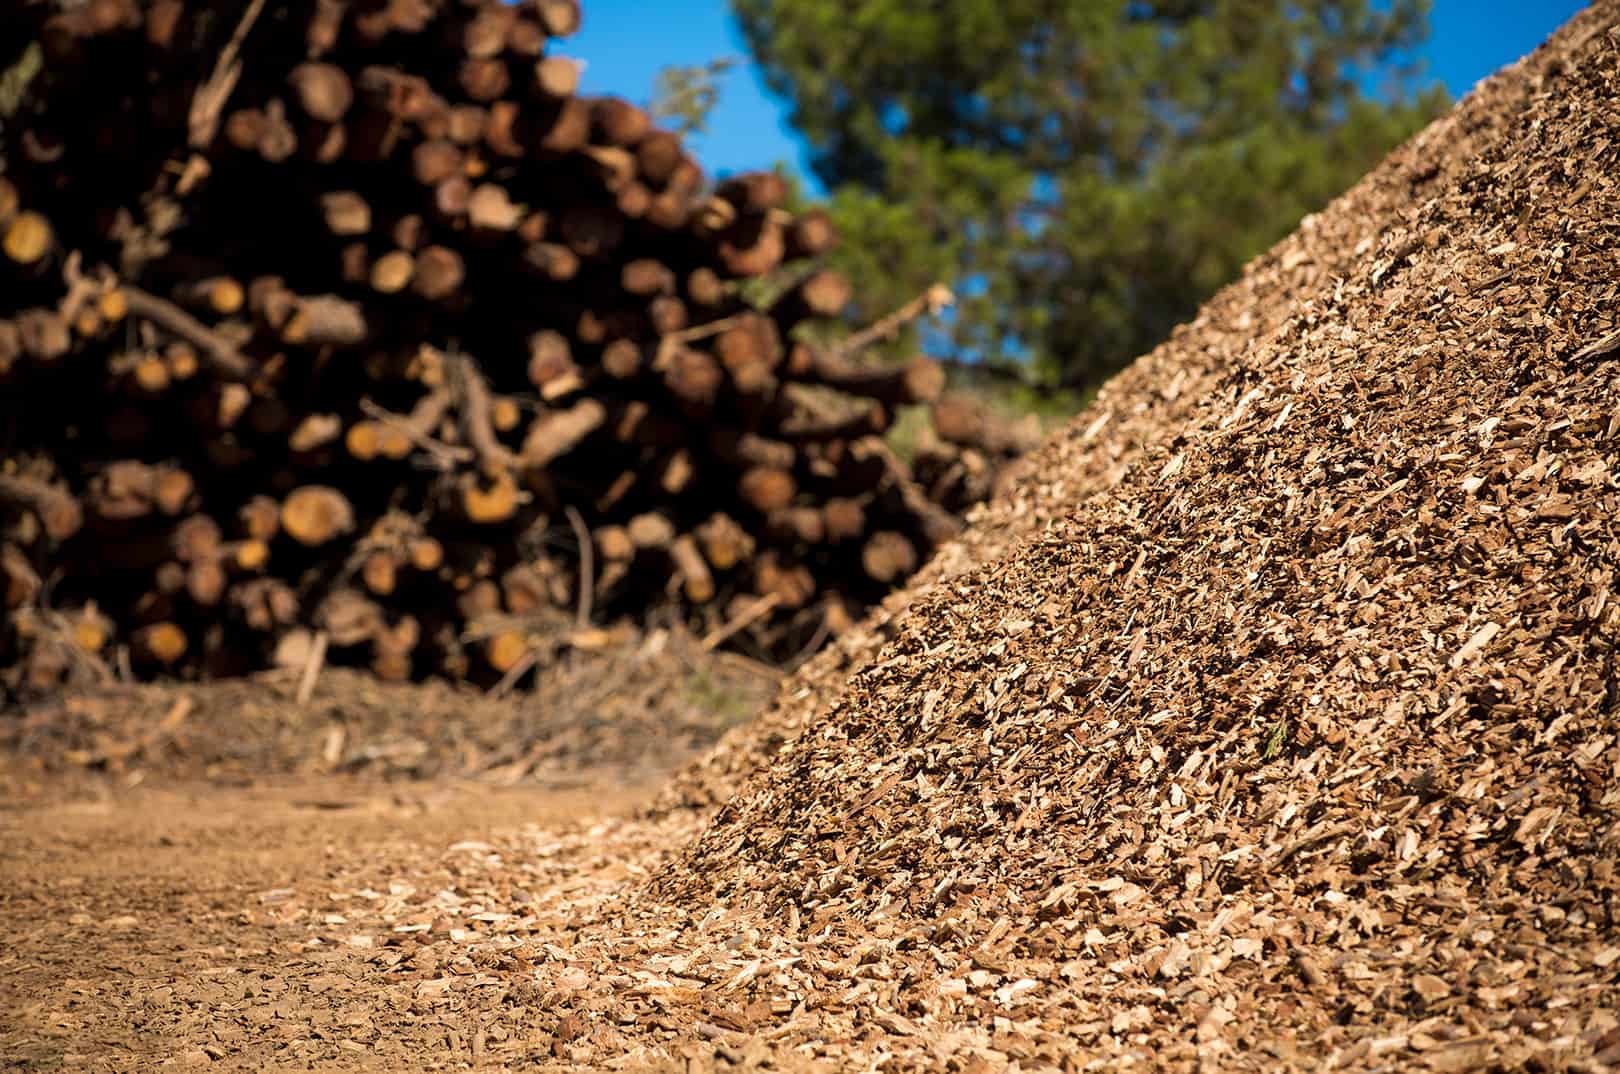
(316, 514)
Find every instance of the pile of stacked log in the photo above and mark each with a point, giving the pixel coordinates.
(351, 325)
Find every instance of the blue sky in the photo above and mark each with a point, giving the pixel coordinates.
(625, 42)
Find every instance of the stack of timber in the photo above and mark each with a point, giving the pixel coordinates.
(349, 326)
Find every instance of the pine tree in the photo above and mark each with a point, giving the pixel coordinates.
(1084, 172)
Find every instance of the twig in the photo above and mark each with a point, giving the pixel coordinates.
(515, 672)
(208, 104)
(748, 616)
(667, 345)
(474, 408)
(939, 525)
(930, 302)
(79, 288)
(312, 668)
(582, 615)
(447, 455)
(225, 359)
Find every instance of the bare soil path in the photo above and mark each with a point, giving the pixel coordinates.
(150, 928)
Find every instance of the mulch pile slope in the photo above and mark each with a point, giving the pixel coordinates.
(1290, 733)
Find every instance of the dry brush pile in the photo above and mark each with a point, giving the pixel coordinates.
(355, 318)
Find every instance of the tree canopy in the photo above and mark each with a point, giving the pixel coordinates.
(1084, 172)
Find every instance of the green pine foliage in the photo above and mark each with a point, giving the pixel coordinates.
(1083, 172)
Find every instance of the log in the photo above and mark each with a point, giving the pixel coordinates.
(755, 192)
(434, 162)
(697, 584)
(490, 208)
(439, 273)
(658, 156)
(162, 643)
(557, 77)
(918, 381)
(315, 514)
(222, 358)
(323, 91)
(484, 35)
(676, 472)
(651, 529)
(524, 589)
(325, 320)
(646, 277)
(766, 489)
(380, 572)
(479, 599)
(667, 314)
(843, 519)
(392, 272)
(796, 524)
(791, 584)
(393, 648)
(561, 18)
(567, 127)
(525, 38)
(616, 121)
(724, 542)
(486, 501)
(126, 489)
(426, 554)
(551, 366)
(44, 335)
(744, 449)
(195, 539)
(21, 583)
(552, 260)
(59, 514)
(824, 293)
(556, 433)
(812, 235)
(887, 557)
(503, 650)
(28, 239)
(705, 289)
(621, 359)
(752, 247)
(205, 583)
(613, 544)
(259, 519)
(348, 618)
(468, 124)
(962, 420)
(221, 296)
(694, 378)
(591, 231)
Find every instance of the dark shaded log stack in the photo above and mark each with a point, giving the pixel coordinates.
(355, 318)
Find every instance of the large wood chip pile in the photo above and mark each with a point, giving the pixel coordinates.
(357, 319)
(1273, 720)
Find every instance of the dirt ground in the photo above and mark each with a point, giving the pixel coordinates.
(212, 874)
(150, 927)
